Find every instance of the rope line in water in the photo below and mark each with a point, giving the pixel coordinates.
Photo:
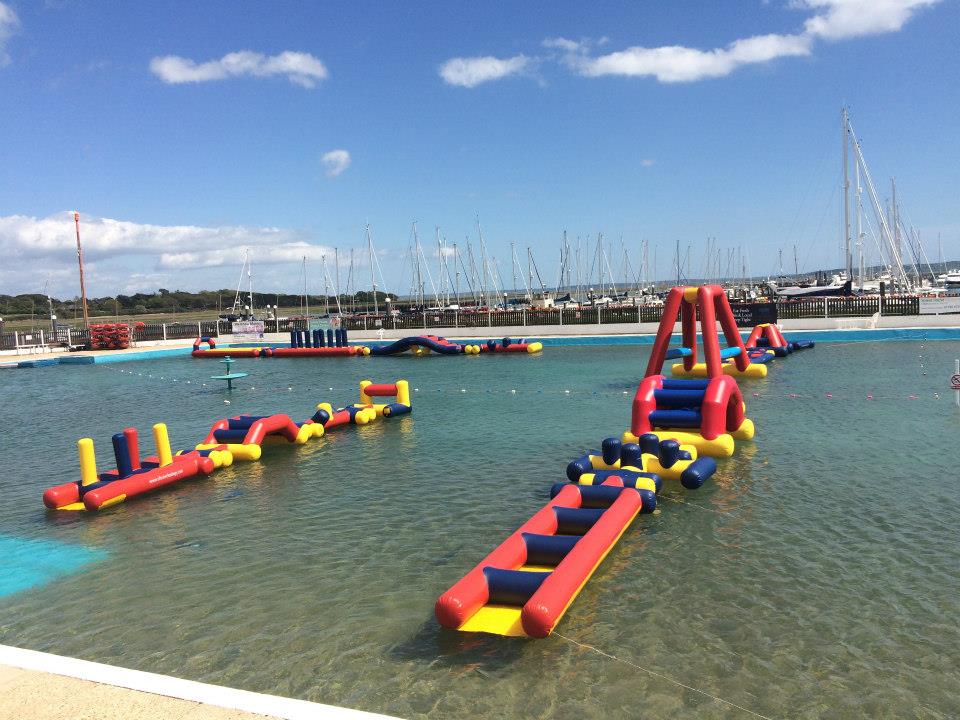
(661, 676)
(687, 502)
(776, 396)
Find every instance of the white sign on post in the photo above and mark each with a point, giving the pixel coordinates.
(248, 330)
(940, 305)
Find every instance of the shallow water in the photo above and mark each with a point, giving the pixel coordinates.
(817, 577)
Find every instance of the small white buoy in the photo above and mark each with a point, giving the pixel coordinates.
(566, 392)
(513, 392)
(289, 388)
(416, 389)
(463, 389)
(226, 402)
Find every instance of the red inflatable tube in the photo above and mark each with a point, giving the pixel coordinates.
(273, 425)
(317, 352)
(144, 482)
(60, 495)
(722, 409)
(545, 607)
(644, 403)
(218, 425)
(460, 602)
(380, 390)
(232, 352)
(340, 417)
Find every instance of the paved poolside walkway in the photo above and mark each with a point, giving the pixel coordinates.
(40, 686)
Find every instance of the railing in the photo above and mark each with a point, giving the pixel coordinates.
(816, 307)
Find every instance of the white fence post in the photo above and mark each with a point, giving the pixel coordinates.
(199, 329)
(164, 331)
(43, 343)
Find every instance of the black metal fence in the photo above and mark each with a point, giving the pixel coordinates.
(819, 307)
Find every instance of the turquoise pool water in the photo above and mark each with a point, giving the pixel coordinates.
(817, 577)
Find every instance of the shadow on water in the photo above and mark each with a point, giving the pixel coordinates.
(452, 649)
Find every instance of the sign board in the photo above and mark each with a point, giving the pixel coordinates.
(248, 330)
(940, 305)
(955, 382)
(750, 314)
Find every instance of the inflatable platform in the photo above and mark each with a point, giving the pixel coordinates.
(236, 438)
(524, 587)
(768, 338)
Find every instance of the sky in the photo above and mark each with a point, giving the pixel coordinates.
(185, 132)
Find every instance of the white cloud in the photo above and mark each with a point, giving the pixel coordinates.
(9, 24)
(648, 162)
(840, 19)
(472, 71)
(676, 63)
(129, 256)
(562, 43)
(300, 68)
(335, 162)
(830, 20)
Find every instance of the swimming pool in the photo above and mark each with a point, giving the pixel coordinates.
(816, 577)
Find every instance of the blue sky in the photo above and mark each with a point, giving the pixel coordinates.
(187, 131)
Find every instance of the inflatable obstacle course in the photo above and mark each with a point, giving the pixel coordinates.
(317, 343)
(132, 476)
(333, 343)
(710, 304)
(424, 344)
(767, 337)
(236, 438)
(303, 343)
(708, 414)
(524, 587)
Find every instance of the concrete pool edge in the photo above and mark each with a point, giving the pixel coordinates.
(178, 688)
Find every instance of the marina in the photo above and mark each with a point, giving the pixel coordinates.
(480, 361)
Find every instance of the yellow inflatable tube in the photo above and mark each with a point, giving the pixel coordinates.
(754, 370)
(721, 446)
(237, 450)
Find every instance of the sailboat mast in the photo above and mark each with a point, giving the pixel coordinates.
(858, 208)
(83, 287)
(336, 275)
(250, 282)
(373, 277)
(456, 267)
(847, 258)
(306, 298)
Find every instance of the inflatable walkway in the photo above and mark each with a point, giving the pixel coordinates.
(236, 438)
(524, 587)
(424, 344)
